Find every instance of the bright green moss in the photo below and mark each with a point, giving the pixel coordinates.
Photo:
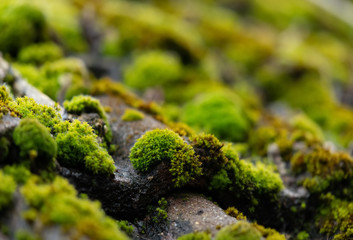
(161, 214)
(154, 68)
(125, 227)
(40, 53)
(25, 235)
(303, 235)
(132, 115)
(7, 189)
(20, 26)
(220, 180)
(165, 145)
(240, 231)
(306, 129)
(217, 114)
(28, 108)
(35, 143)
(78, 148)
(196, 236)
(87, 104)
(57, 203)
(20, 173)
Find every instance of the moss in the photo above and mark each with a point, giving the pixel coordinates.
(132, 115)
(21, 25)
(303, 235)
(25, 235)
(327, 170)
(57, 203)
(232, 211)
(269, 233)
(39, 54)
(87, 104)
(181, 128)
(78, 148)
(306, 128)
(28, 108)
(35, 143)
(164, 145)
(335, 217)
(20, 173)
(5, 99)
(196, 236)
(125, 227)
(161, 213)
(217, 114)
(240, 231)
(7, 190)
(209, 151)
(154, 68)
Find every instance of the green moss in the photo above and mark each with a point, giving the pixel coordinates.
(35, 143)
(41, 53)
(19, 172)
(154, 68)
(269, 233)
(306, 129)
(327, 170)
(125, 227)
(164, 145)
(78, 148)
(5, 99)
(132, 115)
(57, 203)
(28, 108)
(7, 189)
(87, 104)
(217, 114)
(303, 235)
(209, 151)
(20, 26)
(196, 236)
(232, 211)
(240, 231)
(335, 218)
(161, 213)
(25, 235)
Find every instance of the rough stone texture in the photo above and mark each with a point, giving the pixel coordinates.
(8, 124)
(194, 213)
(128, 194)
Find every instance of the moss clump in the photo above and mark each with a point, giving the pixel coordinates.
(303, 235)
(327, 170)
(28, 108)
(154, 68)
(57, 203)
(87, 104)
(217, 114)
(209, 151)
(125, 227)
(40, 53)
(20, 173)
(7, 189)
(269, 233)
(132, 115)
(240, 231)
(5, 99)
(35, 143)
(232, 211)
(196, 236)
(165, 145)
(78, 148)
(335, 218)
(20, 26)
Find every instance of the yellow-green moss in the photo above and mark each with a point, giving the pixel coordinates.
(20, 173)
(196, 236)
(232, 211)
(28, 108)
(240, 231)
(35, 143)
(5, 99)
(7, 189)
(57, 203)
(132, 115)
(40, 53)
(165, 145)
(78, 148)
(87, 104)
(126, 227)
(154, 68)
